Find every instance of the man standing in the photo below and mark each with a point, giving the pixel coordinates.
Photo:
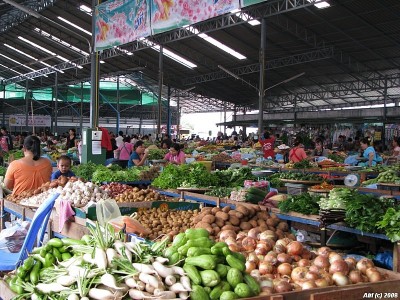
(120, 139)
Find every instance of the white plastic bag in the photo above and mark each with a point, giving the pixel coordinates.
(106, 210)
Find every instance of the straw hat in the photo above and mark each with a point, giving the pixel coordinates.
(283, 147)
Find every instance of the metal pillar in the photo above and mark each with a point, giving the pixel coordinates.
(169, 112)
(224, 118)
(262, 73)
(27, 105)
(160, 84)
(384, 114)
(178, 119)
(81, 114)
(55, 98)
(94, 77)
(118, 114)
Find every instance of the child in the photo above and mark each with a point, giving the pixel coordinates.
(63, 165)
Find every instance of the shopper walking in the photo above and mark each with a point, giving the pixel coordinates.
(29, 172)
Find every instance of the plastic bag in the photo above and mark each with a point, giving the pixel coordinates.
(106, 210)
(12, 238)
(132, 225)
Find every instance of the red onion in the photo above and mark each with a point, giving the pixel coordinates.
(363, 264)
(321, 262)
(283, 286)
(303, 262)
(355, 276)
(266, 268)
(339, 266)
(333, 256)
(254, 233)
(284, 269)
(250, 266)
(284, 258)
(294, 248)
(299, 274)
(249, 244)
(324, 251)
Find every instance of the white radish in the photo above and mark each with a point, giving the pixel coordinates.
(177, 288)
(139, 295)
(101, 294)
(146, 278)
(132, 283)
(73, 297)
(54, 287)
(36, 297)
(100, 258)
(66, 280)
(87, 257)
(123, 250)
(170, 280)
(162, 270)
(77, 271)
(85, 298)
(178, 270)
(162, 260)
(150, 289)
(109, 280)
(183, 295)
(73, 261)
(165, 294)
(143, 268)
(186, 283)
(111, 254)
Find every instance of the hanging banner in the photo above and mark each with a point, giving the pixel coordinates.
(120, 22)
(169, 14)
(244, 3)
(38, 120)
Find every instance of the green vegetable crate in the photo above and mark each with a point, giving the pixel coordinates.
(296, 189)
(129, 208)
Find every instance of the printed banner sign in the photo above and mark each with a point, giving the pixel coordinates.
(120, 22)
(38, 120)
(169, 14)
(244, 3)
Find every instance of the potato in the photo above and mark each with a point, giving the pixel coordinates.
(206, 210)
(223, 215)
(253, 223)
(242, 209)
(245, 226)
(226, 209)
(234, 220)
(214, 210)
(208, 219)
(219, 222)
(228, 227)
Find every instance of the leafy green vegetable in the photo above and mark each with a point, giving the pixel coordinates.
(85, 171)
(390, 223)
(303, 203)
(3, 171)
(303, 164)
(155, 154)
(337, 198)
(336, 158)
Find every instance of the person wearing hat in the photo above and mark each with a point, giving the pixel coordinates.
(282, 153)
(297, 153)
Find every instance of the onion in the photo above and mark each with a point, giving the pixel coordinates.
(351, 262)
(321, 282)
(339, 266)
(303, 263)
(253, 257)
(250, 266)
(266, 291)
(374, 276)
(355, 276)
(261, 249)
(241, 235)
(324, 251)
(333, 256)
(282, 286)
(266, 283)
(314, 269)
(267, 235)
(234, 247)
(256, 274)
(254, 233)
(322, 262)
(308, 284)
(267, 245)
(294, 248)
(249, 244)
(296, 257)
(299, 273)
(284, 258)
(227, 233)
(279, 248)
(266, 268)
(229, 240)
(312, 276)
(284, 242)
(284, 269)
(307, 254)
(363, 264)
(271, 258)
(340, 279)
(370, 270)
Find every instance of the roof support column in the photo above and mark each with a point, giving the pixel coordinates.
(55, 103)
(160, 84)
(224, 118)
(262, 74)
(169, 112)
(118, 112)
(81, 112)
(94, 75)
(384, 114)
(27, 105)
(178, 118)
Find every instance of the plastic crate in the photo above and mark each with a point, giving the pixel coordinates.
(296, 189)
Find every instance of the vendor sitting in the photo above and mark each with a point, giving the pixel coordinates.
(319, 150)
(63, 164)
(369, 154)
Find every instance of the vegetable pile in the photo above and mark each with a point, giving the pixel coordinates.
(303, 203)
(138, 195)
(389, 176)
(300, 176)
(390, 223)
(215, 271)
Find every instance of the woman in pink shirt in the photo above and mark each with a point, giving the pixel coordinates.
(175, 155)
(297, 153)
(125, 151)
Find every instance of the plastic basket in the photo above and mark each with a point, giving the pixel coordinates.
(296, 189)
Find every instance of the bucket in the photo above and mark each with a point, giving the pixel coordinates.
(207, 163)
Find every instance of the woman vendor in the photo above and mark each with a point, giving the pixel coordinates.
(319, 149)
(29, 172)
(297, 153)
(139, 155)
(368, 153)
(175, 155)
